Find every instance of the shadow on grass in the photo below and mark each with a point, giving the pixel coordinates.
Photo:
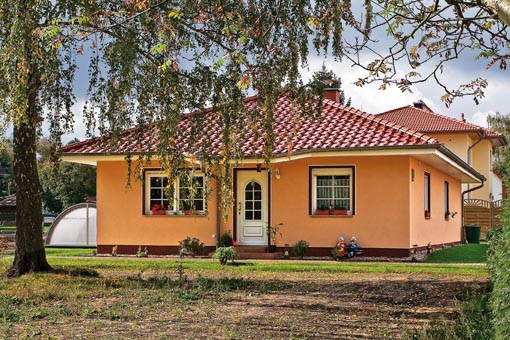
(76, 272)
(240, 264)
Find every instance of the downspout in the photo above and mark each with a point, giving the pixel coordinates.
(462, 236)
(218, 212)
(484, 134)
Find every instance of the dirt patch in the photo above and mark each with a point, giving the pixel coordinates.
(251, 306)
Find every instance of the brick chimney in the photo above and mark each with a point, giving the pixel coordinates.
(332, 94)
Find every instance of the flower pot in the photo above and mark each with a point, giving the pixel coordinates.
(159, 212)
(188, 212)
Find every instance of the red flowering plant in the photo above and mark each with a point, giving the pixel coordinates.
(158, 209)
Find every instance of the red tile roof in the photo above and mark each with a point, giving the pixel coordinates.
(427, 121)
(338, 128)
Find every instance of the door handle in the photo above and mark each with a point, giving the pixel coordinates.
(240, 208)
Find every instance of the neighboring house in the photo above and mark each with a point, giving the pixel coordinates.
(392, 188)
(497, 187)
(472, 143)
(8, 210)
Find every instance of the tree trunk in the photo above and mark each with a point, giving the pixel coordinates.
(29, 255)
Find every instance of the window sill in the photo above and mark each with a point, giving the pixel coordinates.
(315, 215)
(174, 214)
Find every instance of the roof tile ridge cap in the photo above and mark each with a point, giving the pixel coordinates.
(88, 141)
(393, 110)
(453, 119)
(398, 127)
(467, 124)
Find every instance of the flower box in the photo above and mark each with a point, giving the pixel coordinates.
(322, 212)
(339, 211)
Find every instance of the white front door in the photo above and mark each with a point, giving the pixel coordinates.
(252, 207)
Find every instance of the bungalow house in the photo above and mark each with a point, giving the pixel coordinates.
(472, 143)
(344, 173)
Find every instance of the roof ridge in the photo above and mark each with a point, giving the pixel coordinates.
(390, 124)
(468, 125)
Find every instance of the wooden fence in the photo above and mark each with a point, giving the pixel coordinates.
(483, 213)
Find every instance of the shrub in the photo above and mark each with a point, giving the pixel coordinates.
(300, 248)
(225, 240)
(473, 322)
(224, 254)
(190, 247)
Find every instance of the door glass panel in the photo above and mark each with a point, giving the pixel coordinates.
(253, 201)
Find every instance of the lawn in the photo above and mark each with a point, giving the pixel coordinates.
(466, 253)
(131, 298)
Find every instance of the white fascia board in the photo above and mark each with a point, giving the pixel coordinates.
(93, 159)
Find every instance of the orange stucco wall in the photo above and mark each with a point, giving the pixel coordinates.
(481, 161)
(388, 208)
(480, 158)
(437, 229)
(381, 212)
(120, 219)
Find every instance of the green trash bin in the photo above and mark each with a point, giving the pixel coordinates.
(472, 233)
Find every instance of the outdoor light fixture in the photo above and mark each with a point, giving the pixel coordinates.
(259, 167)
(412, 175)
(277, 173)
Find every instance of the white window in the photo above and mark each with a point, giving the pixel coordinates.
(446, 200)
(426, 196)
(188, 194)
(332, 190)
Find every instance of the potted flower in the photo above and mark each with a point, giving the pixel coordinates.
(187, 207)
(322, 210)
(158, 209)
(272, 231)
(339, 210)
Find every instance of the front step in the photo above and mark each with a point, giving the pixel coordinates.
(260, 256)
(257, 253)
(251, 249)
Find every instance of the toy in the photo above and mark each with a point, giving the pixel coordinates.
(345, 250)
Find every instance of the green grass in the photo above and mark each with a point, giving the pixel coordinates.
(206, 265)
(70, 251)
(13, 228)
(466, 253)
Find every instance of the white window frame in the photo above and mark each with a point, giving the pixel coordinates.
(427, 195)
(148, 174)
(331, 171)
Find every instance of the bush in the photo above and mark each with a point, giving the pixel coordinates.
(224, 254)
(190, 247)
(474, 322)
(226, 240)
(300, 248)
